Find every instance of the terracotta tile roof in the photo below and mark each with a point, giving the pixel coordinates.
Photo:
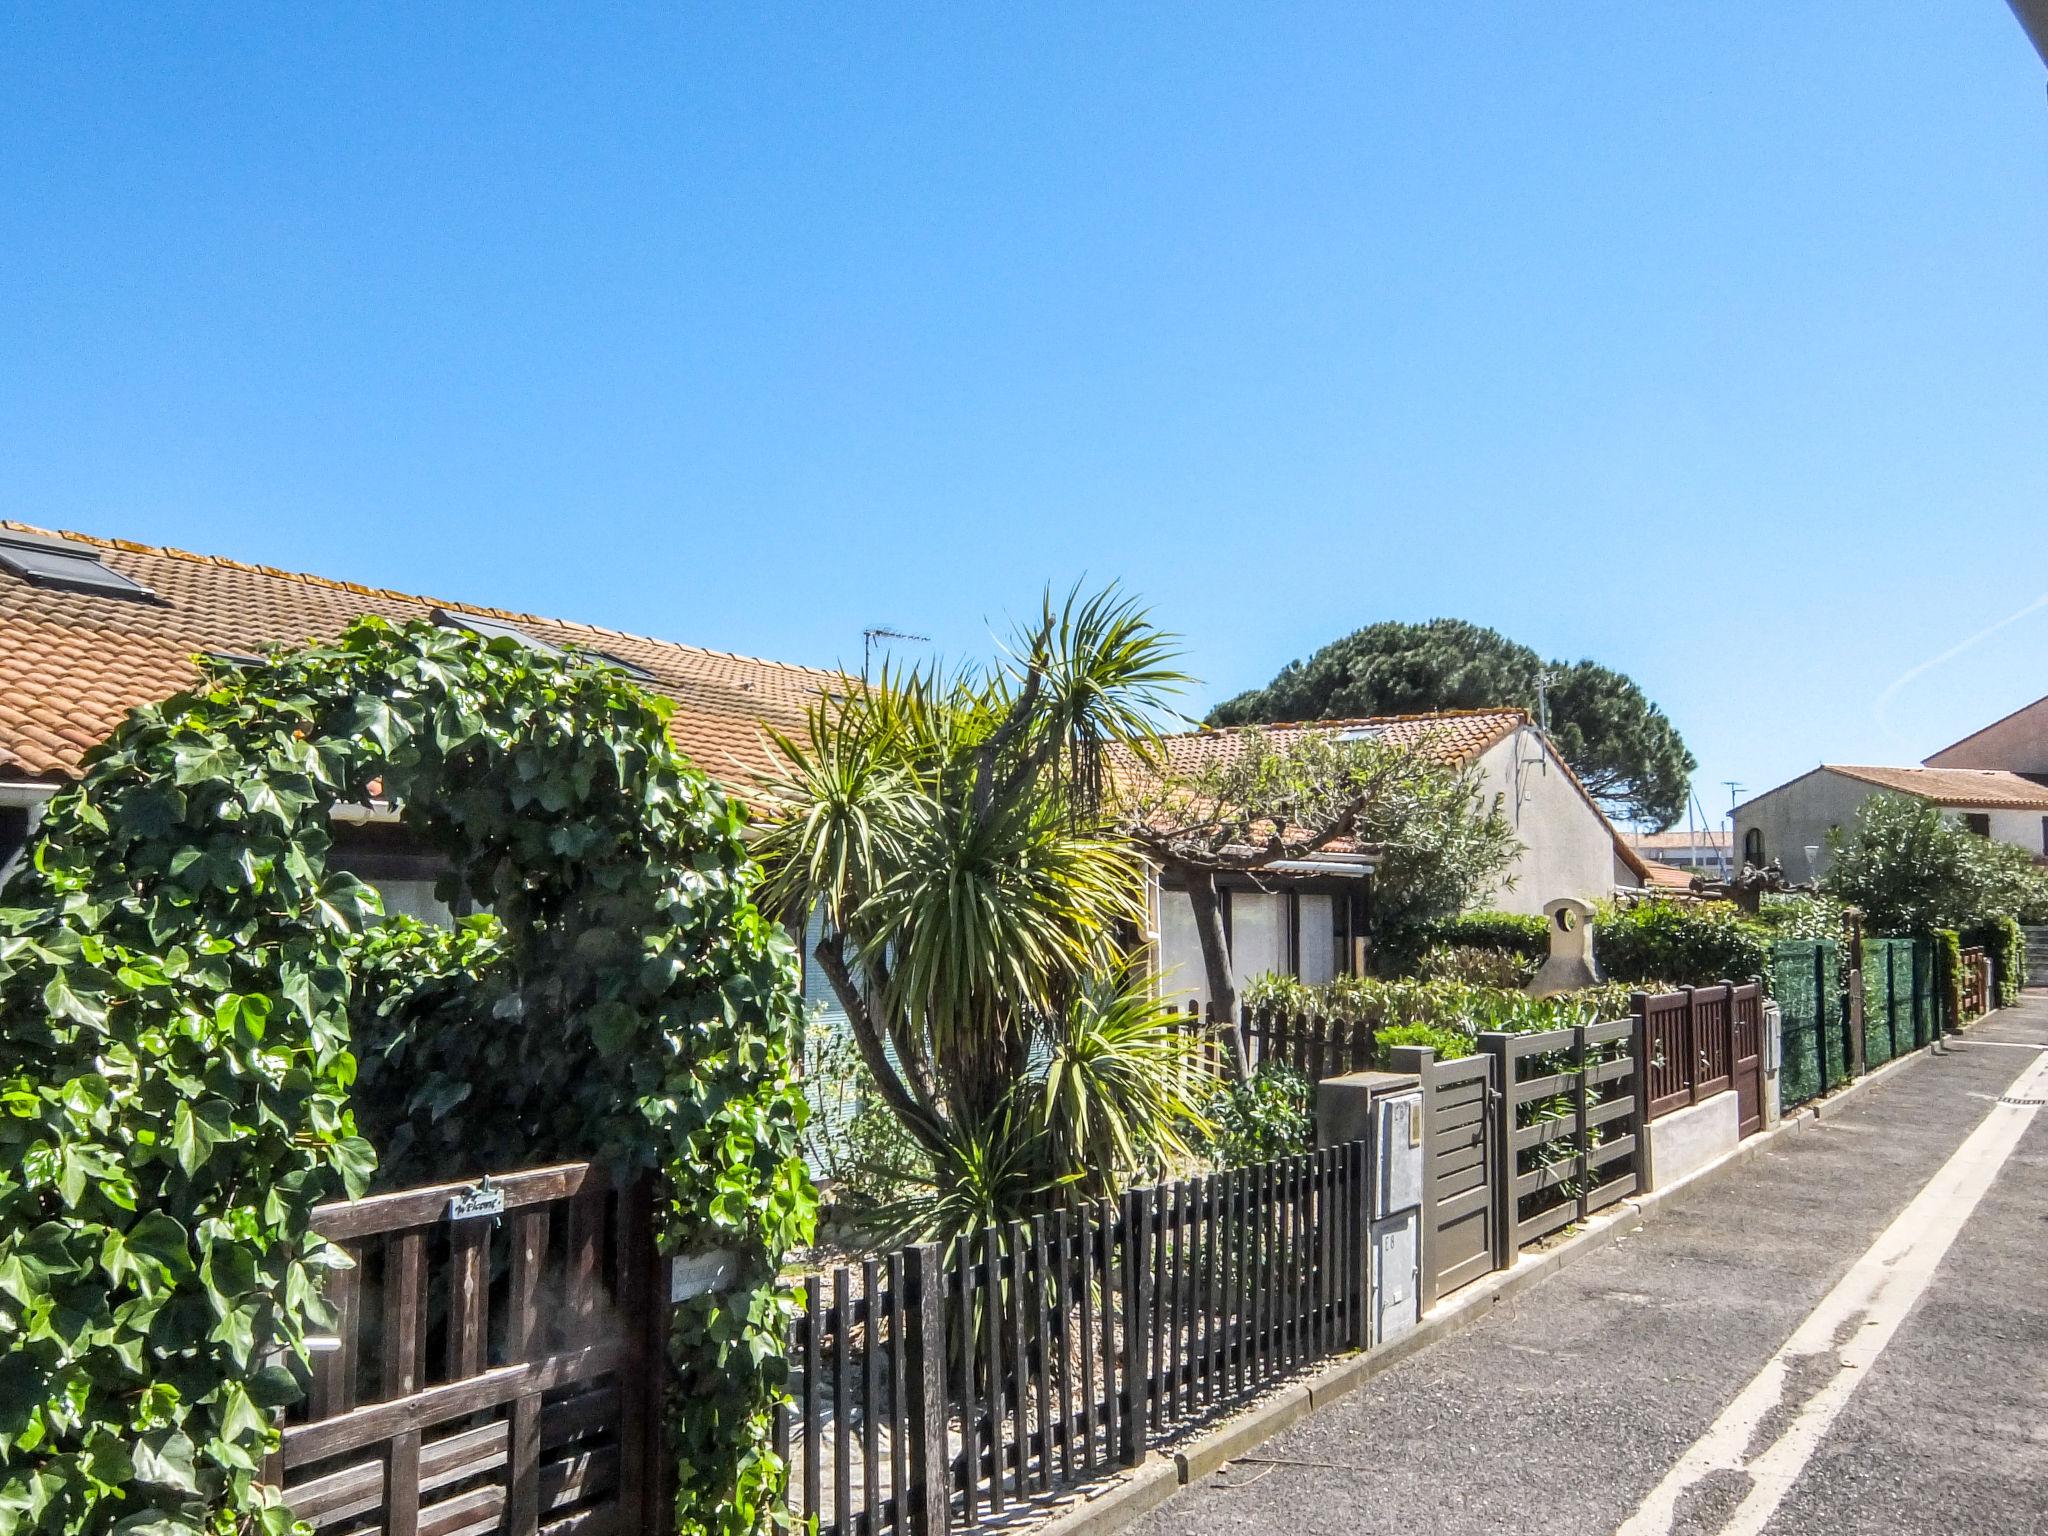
(1976, 788)
(1680, 839)
(72, 664)
(1666, 876)
(1454, 736)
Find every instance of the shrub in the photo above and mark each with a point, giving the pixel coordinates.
(1264, 1117)
(1948, 977)
(1449, 1044)
(1803, 916)
(1474, 967)
(1519, 934)
(1912, 869)
(1682, 943)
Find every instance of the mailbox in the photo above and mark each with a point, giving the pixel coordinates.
(1396, 1229)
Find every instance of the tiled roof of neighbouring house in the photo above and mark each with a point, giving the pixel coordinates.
(73, 663)
(1986, 789)
(1452, 736)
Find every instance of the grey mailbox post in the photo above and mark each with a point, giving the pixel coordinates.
(1384, 1110)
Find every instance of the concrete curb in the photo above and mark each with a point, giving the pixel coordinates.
(1135, 1493)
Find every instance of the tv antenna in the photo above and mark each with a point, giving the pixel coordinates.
(868, 637)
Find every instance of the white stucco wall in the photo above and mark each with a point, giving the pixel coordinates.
(1567, 845)
(1803, 811)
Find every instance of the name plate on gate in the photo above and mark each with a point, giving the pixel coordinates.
(486, 1199)
(699, 1274)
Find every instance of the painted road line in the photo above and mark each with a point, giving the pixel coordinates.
(1853, 1323)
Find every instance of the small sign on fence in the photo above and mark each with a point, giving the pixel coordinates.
(485, 1199)
(698, 1274)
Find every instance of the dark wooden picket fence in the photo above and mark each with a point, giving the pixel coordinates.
(938, 1390)
(1976, 983)
(1313, 1044)
(1700, 1041)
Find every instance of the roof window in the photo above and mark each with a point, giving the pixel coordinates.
(64, 566)
(493, 629)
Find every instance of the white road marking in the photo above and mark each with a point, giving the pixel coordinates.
(1872, 1299)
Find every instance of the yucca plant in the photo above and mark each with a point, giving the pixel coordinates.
(950, 830)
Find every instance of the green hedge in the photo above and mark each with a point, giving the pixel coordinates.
(1681, 944)
(1513, 933)
(1948, 976)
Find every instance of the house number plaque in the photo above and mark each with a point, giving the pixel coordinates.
(485, 1199)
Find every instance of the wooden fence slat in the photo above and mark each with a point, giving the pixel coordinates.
(871, 1398)
(1063, 1300)
(842, 1402)
(925, 1343)
(1135, 1411)
(469, 1297)
(992, 1307)
(899, 1395)
(813, 1327)
(1020, 1362)
(333, 1388)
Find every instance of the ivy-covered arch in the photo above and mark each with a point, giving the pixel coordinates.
(184, 982)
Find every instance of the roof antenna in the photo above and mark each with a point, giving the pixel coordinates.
(868, 637)
(1543, 681)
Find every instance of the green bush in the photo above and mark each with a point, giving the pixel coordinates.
(1262, 1118)
(2006, 941)
(1519, 934)
(1948, 977)
(1449, 1044)
(1474, 967)
(1800, 915)
(1680, 943)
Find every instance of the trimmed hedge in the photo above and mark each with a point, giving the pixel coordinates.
(1681, 943)
(1514, 933)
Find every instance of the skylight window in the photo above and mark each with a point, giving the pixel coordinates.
(63, 566)
(493, 629)
(1360, 733)
(632, 669)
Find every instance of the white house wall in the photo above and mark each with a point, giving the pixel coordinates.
(1803, 812)
(1567, 846)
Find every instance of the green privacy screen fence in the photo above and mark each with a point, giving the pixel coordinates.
(1811, 988)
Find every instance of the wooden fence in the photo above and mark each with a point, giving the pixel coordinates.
(1976, 983)
(1700, 1041)
(937, 1391)
(484, 1374)
(1572, 1121)
(1314, 1045)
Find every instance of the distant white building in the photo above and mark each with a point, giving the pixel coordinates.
(1994, 782)
(1702, 852)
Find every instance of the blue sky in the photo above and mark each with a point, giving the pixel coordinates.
(1708, 341)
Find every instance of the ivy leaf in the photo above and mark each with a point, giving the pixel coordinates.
(192, 1139)
(65, 1003)
(165, 1458)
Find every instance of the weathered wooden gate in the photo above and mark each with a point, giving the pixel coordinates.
(1747, 1003)
(494, 1366)
(1458, 1199)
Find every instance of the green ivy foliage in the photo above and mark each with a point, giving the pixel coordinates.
(180, 973)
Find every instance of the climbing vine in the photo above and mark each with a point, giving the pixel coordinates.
(185, 984)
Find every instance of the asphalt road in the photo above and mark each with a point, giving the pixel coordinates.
(1566, 1407)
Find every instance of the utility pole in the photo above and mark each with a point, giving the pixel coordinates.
(1734, 789)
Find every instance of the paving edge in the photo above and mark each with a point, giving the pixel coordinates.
(1111, 1507)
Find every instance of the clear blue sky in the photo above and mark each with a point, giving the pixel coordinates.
(1709, 341)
